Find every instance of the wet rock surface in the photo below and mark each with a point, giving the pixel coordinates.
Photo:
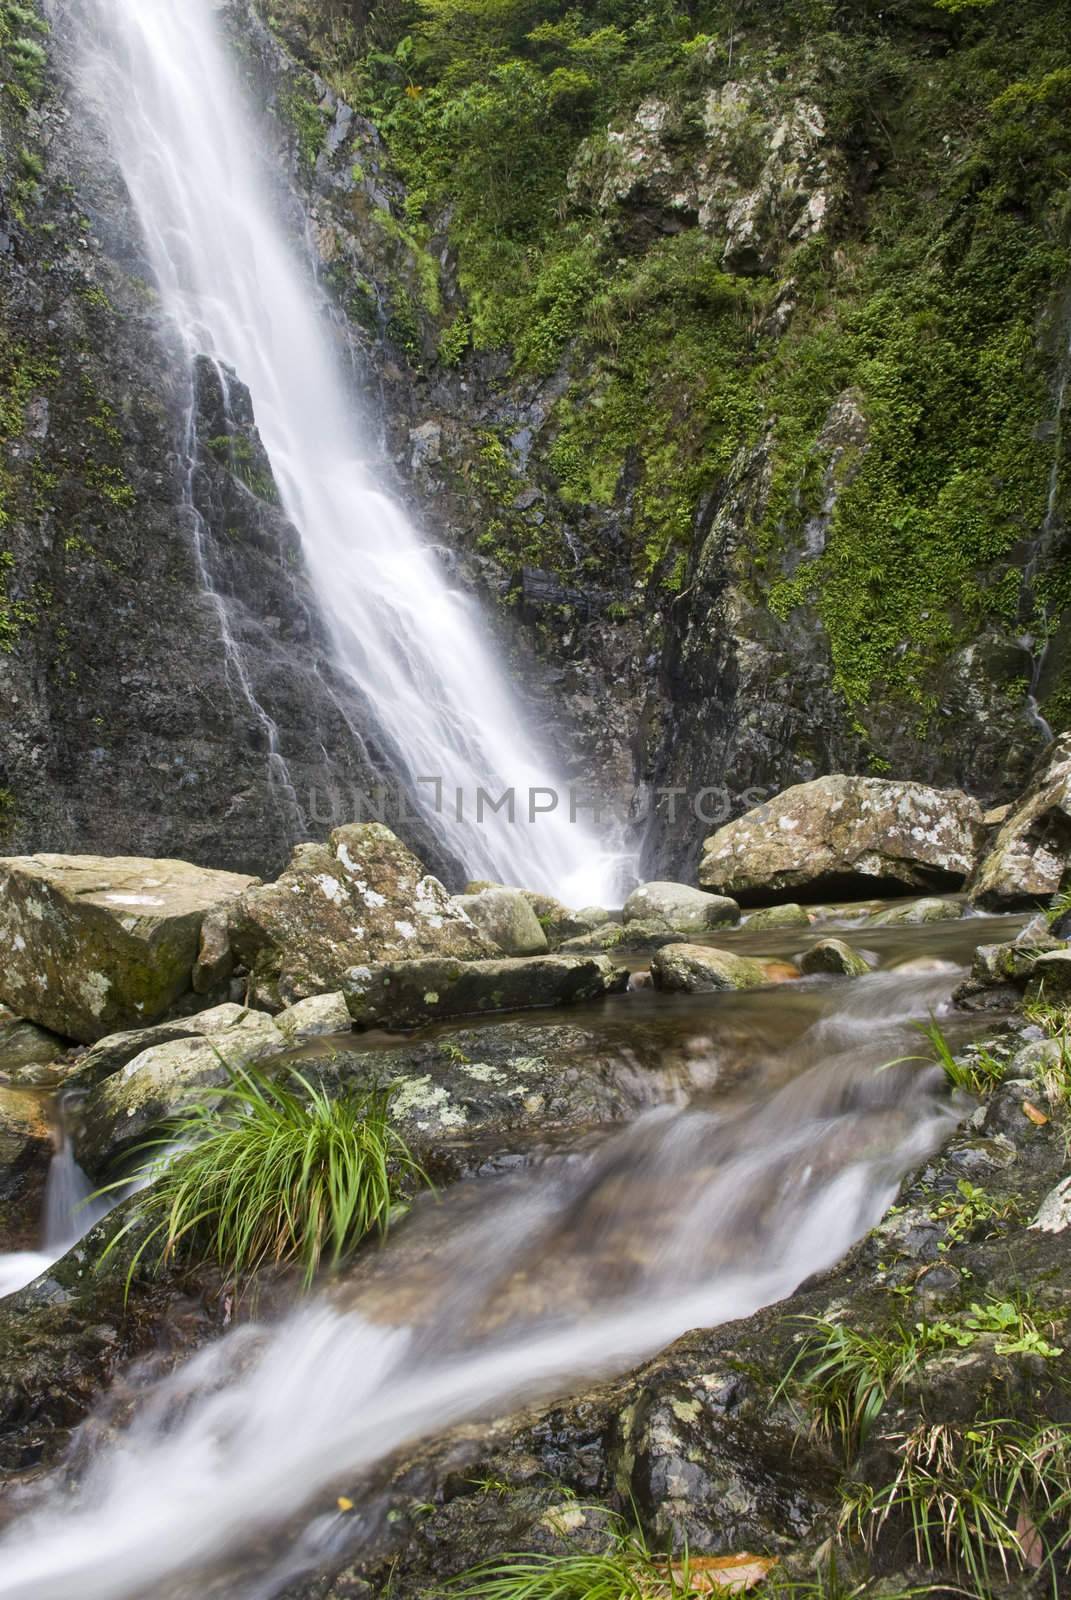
(835, 957)
(695, 969)
(407, 993)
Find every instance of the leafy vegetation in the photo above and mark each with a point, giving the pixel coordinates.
(920, 297)
(264, 1173)
(992, 1497)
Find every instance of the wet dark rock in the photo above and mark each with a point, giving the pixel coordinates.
(404, 994)
(25, 1152)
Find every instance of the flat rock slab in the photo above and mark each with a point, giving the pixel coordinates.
(843, 835)
(92, 944)
(405, 994)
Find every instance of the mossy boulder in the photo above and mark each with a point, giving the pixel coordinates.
(843, 835)
(91, 944)
(650, 935)
(681, 907)
(362, 897)
(695, 969)
(507, 918)
(1030, 858)
(404, 994)
(836, 957)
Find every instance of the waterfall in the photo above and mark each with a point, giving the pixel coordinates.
(411, 645)
(1039, 648)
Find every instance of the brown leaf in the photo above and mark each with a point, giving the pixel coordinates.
(1029, 1540)
(722, 1574)
(1038, 1118)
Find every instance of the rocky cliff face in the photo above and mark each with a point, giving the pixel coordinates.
(760, 471)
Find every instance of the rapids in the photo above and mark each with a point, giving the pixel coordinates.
(523, 1284)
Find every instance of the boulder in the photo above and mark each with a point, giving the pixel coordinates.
(695, 969)
(1000, 972)
(559, 922)
(361, 898)
(1030, 858)
(137, 1081)
(789, 915)
(507, 918)
(834, 956)
(915, 913)
(680, 907)
(846, 836)
(90, 944)
(404, 994)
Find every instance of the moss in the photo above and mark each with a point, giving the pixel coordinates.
(308, 122)
(426, 268)
(246, 462)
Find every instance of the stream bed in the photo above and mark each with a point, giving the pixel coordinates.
(777, 1134)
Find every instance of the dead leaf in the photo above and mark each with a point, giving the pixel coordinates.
(1029, 1540)
(1038, 1118)
(723, 1574)
(344, 1504)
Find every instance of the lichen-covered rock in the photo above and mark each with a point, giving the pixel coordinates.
(1030, 858)
(507, 918)
(680, 907)
(789, 915)
(617, 936)
(404, 994)
(916, 913)
(91, 944)
(135, 1081)
(834, 956)
(359, 899)
(843, 835)
(695, 969)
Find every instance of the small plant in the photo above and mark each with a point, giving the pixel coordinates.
(270, 1174)
(970, 1209)
(1017, 1333)
(992, 1496)
(626, 1570)
(977, 1074)
(845, 1377)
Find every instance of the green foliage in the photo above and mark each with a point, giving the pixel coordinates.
(975, 1071)
(309, 124)
(24, 56)
(988, 1500)
(267, 1173)
(969, 1210)
(845, 1376)
(247, 463)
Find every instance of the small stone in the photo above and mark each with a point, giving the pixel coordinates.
(696, 969)
(786, 916)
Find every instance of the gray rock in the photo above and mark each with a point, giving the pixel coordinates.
(320, 1016)
(1054, 1213)
(404, 994)
(361, 898)
(91, 944)
(24, 1044)
(695, 969)
(507, 919)
(616, 936)
(1031, 855)
(841, 834)
(681, 907)
(834, 956)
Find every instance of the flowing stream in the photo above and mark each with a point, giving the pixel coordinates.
(781, 1143)
(412, 646)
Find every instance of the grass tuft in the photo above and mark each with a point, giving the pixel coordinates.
(273, 1173)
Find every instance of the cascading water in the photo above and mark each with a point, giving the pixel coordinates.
(1031, 606)
(412, 646)
(510, 1288)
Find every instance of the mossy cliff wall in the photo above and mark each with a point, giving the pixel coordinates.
(751, 324)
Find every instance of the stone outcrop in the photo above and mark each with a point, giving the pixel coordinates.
(1030, 858)
(406, 994)
(844, 835)
(92, 944)
(361, 898)
(917, 914)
